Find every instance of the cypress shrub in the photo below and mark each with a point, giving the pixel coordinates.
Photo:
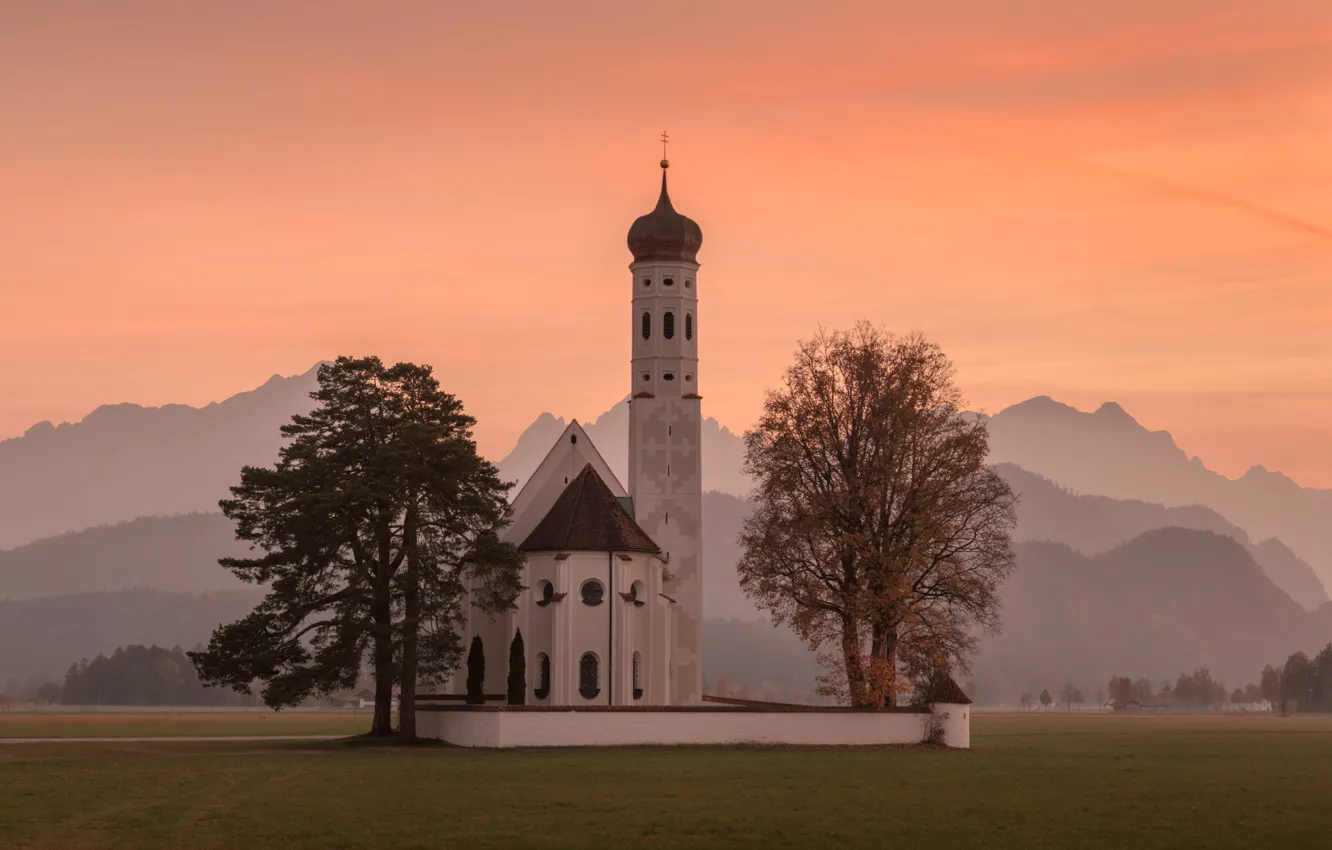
(476, 672)
(517, 670)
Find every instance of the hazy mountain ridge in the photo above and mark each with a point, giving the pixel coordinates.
(1168, 601)
(1106, 453)
(1095, 524)
(164, 553)
(124, 461)
(42, 637)
(723, 449)
(1109, 453)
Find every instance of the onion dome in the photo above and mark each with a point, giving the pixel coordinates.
(664, 234)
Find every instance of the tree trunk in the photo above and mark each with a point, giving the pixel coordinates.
(884, 650)
(411, 617)
(852, 660)
(382, 612)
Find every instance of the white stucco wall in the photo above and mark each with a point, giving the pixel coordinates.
(955, 720)
(677, 728)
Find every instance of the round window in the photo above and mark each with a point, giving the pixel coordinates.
(592, 592)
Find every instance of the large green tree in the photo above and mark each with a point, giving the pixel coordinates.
(879, 533)
(376, 519)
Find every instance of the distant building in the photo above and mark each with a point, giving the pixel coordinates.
(1138, 706)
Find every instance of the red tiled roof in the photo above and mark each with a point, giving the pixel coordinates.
(588, 518)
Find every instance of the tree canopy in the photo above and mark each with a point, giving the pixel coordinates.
(879, 533)
(377, 519)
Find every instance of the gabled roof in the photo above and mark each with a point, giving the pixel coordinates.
(569, 454)
(587, 517)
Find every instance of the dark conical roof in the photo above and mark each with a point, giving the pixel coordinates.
(944, 689)
(664, 234)
(588, 518)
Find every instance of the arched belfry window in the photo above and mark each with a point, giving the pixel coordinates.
(589, 676)
(543, 676)
(689, 325)
(668, 325)
(647, 326)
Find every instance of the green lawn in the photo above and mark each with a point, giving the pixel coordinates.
(179, 724)
(1029, 782)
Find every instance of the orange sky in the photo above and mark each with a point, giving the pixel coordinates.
(1126, 201)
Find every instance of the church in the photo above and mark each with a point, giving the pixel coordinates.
(613, 609)
(611, 617)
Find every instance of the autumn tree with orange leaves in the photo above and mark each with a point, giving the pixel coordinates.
(879, 535)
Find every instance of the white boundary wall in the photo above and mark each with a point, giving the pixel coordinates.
(555, 728)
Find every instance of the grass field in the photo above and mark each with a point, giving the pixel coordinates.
(1030, 781)
(179, 724)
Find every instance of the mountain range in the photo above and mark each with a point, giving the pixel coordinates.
(1132, 557)
(1108, 453)
(125, 461)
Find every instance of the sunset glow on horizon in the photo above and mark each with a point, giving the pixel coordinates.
(1125, 202)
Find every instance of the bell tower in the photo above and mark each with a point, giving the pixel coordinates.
(665, 424)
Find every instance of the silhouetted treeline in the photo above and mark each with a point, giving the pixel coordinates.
(1196, 690)
(1302, 685)
(142, 675)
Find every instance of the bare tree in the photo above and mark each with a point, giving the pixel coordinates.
(1067, 695)
(879, 533)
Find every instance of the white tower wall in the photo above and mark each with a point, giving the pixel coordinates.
(665, 461)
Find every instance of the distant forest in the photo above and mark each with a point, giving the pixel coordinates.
(143, 675)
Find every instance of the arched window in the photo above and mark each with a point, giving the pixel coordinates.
(689, 325)
(589, 676)
(592, 592)
(647, 326)
(638, 676)
(543, 676)
(545, 593)
(636, 593)
(668, 325)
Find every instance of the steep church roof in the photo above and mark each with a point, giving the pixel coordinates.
(569, 454)
(587, 517)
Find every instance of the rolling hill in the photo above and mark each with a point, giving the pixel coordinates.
(40, 638)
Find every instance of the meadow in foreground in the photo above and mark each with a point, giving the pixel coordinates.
(1030, 781)
(179, 724)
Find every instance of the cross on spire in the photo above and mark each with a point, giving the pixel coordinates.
(665, 139)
